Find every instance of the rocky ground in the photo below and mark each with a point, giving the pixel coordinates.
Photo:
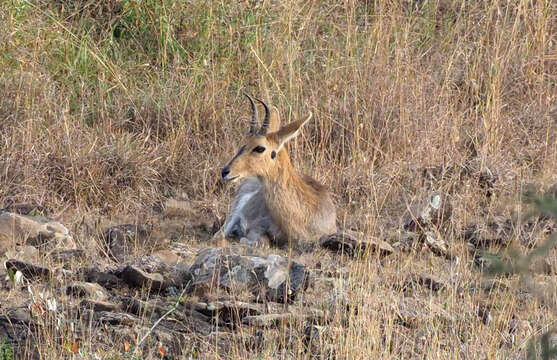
(171, 287)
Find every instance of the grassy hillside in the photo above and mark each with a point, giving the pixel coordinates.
(109, 107)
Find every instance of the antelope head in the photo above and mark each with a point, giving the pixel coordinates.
(259, 154)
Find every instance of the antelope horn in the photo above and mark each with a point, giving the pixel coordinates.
(265, 124)
(254, 116)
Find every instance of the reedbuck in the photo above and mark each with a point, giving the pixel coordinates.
(274, 201)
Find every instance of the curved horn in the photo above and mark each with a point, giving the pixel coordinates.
(265, 124)
(254, 116)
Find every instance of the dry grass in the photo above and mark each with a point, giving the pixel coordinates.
(110, 106)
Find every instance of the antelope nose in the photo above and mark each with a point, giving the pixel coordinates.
(225, 172)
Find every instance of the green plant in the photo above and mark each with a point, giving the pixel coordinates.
(6, 351)
(542, 346)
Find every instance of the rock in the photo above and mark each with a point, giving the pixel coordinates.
(485, 263)
(497, 232)
(405, 240)
(26, 253)
(433, 175)
(113, 318)
(106, 279)
(19, 315)
(230, 312)
(502, 264)
(138, 307)
(551, 192)
(438, 246)
(536, 230)
(348, 243)
(29, 271)
(484, 313)
(494, 285)
(409, 317)
(33, 230)
(294, 314)
(167, 256)
(552, 339)
(274, 277)
(487, 179)
(17, 332)
(97, 305)
(268, 320)
(435, 211)
(544, 266)
(313, 334)
(26, 209)
(135, 277)
(156, 308)
(414, 313)
(428, 282)
(520, 330)
(66, 255)
(184, 318)
(88, 290)
(123, 240)
(173, 207)
(175, 275)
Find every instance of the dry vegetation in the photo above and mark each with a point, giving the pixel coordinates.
(108, 108)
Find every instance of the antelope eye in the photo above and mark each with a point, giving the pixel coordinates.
(258, 149)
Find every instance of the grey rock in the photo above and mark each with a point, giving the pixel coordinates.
(545, 266)
(487, 179)
(18, 332)
(33, 230)
(520, 330)
(122, 240)
(19, 315)
(167, 256)
(438, 246)
(484, 313)
(181, 208)
(26, 209)
(496, 232)
(483, 262)
(494, 286)
(26, 253)
(106, 279)
(230, 312)
(151, 309)
(536, 230)
(29, 271)
(175, 274)
(66, 255)
(97, 305)
(426, 281)
(405, 240)
(267, 320)
(113, 318)
(313, 334)
(183, 319)
(350, 243)
(135, 277)
(88, 290)
(435, 211)
(271, 277)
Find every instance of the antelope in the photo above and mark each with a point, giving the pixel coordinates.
(273, 201)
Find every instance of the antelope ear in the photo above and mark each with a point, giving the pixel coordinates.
(290, 131)
(274, 120)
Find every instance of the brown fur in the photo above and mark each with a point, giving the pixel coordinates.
(300, 208)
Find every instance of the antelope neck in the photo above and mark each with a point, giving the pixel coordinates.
(284, 179)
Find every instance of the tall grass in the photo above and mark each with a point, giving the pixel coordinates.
(113, 105)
